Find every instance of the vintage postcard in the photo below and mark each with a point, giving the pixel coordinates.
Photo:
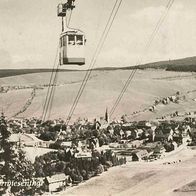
(98, 97)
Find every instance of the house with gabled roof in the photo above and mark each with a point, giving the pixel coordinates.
(140, 155)
(56, 182)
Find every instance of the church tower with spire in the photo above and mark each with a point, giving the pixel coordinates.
(107, 119)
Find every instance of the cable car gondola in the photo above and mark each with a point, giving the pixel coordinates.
(72, 45)
(72, 41)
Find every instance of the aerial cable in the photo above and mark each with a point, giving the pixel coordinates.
(161, 19)
(147, 47)
(50, 82)
(53, 85)
(97, 51)
(110, 25)
(159, 23)
(53, 77)
(157, 27)
(48, 96)
(53, 92)
(93, 62)
(87, 73)
(122, 92)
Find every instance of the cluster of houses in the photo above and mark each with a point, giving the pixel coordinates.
(178, 114)
(100, 133)
(173, 98)
(28, 140)
(166, 100)
(140, 141)
(152, 140)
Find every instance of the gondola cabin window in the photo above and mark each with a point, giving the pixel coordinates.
(71, 39)
(79, 40)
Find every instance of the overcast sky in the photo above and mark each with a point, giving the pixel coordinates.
(29, 31)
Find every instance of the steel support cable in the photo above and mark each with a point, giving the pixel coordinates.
(51, 92)
(49, 95)
(128, 82)
(50, 82)
(157, 27)
(105, 36)
(85, 82)
(103, 42)
(168, 6)
(146, 48)
(159, 23)
(122, 92)
(97, 51)
(48, 103)
(86, 75)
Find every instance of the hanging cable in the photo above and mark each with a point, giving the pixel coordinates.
(122, 92)
(53, 79)
(161, 20)
(53, 92)
(94, 60)
(147, 46)
(53, 85)
(97, 51)
(89, 70)
(50, 83)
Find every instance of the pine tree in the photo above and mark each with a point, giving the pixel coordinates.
(16, 167)
(4, 145)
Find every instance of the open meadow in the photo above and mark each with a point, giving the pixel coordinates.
(100, 93)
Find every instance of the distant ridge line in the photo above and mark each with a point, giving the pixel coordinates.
(184, 65)
(15, 72)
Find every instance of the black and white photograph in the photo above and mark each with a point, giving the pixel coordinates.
(98, 97)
